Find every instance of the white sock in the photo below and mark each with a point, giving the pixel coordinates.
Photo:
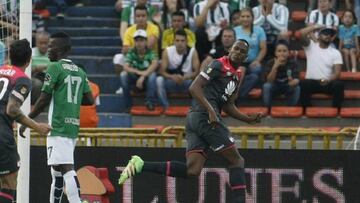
(72, 187)
(57, 185)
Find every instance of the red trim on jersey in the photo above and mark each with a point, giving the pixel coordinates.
(168, 168)
(227, 67)
(7, 196)
(238, 187)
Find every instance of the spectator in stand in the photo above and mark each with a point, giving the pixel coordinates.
(171, 7)
(211, 16)
(140, 70)
(179, 66)
(152, 32)
(315, 3)
(235, 18)
(256, 38)
(128, 15)
(236, 5)
(281, 77)
(349, 42)
(227, 40)
(39, 64)
(88, 114)
(355, 5)
(273, 18)
(323, 16)
(177, 23)
(323, 66)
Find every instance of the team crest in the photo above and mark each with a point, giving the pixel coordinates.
(23, 90)
(208, 70)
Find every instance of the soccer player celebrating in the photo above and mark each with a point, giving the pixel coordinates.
(66, 88)
(14, 88)
(214, 89)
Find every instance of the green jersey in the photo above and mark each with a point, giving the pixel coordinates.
(67, 83)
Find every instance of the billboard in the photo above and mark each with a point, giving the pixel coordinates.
(288, 176)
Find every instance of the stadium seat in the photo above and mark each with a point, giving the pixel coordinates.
(142, 111)
(298, 16)
(158, 128)
(350, 112)
(251, 110)
(321, 112)
(349, 76)
(177, 111)
(348, 94)
(286, 111)
(255, 93)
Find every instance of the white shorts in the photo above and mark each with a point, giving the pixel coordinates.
(60, 150)
(119, 59)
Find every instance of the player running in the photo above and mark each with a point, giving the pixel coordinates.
(215, 89)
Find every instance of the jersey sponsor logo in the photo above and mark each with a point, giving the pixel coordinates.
(4, 172)
(229, 90)
(73, 121)
(70, 67)
(9, 72)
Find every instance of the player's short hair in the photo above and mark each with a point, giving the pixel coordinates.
(20, 52)
(246, 42)
(140, 7)
(64, 39)
(181, 32)
(178, 13)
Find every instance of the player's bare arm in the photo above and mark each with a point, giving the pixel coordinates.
(87, 99)
(14, 111)
(40, 105)
(231, 109)
(196, 91)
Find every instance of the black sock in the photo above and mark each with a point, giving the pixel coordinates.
(237, 183)
(7, 195)
(169, 168)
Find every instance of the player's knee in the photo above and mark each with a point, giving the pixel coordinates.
(193, 172)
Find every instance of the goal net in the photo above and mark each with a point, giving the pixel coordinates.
(9, 26)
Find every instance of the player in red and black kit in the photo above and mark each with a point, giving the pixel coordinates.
(14, 88)
(215, 90)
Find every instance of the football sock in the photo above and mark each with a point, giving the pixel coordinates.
(57, 186)
(169, 168)
(7, 195)
(72, 187)
(237, 183)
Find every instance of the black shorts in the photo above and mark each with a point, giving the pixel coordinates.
(201, 136)
(9, 157)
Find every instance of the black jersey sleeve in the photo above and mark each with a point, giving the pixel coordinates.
(213, 70)
(21, 89)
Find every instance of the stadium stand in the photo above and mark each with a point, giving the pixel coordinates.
(94, 31)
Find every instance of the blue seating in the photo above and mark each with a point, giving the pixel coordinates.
(86, 31)
(95, 65)
(111, 103)
(112, 120)
(80, 22)
(96, 41)
(95, 50)
(95, 11)
(108, 83)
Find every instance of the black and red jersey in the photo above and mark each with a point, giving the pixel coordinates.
(224, 81)
(13, 83)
